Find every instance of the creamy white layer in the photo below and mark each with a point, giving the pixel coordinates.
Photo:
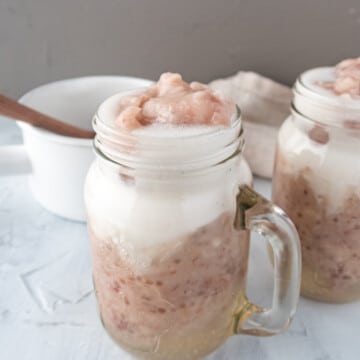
(332, 169)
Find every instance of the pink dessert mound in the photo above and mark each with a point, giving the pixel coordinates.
(347, 78)
(173, 101)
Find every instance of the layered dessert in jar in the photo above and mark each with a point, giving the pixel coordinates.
(169, 267)
(317, 179)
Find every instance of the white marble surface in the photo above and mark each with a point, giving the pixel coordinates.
(47, 306)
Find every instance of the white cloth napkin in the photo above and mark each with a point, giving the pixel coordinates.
(264, 104)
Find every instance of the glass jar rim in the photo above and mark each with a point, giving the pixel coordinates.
(325, 74)
(102, 112)
(212, 146)
(347, 125)
(318, 105)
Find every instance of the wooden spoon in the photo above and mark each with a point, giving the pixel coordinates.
(15, 110)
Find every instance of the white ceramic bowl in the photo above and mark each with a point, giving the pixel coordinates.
(58, 164)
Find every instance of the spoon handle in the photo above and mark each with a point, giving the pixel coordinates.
(12, 109)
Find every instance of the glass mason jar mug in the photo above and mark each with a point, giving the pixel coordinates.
(317, 182)
(169, 220)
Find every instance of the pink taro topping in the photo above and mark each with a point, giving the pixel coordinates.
(176, 102)
(347, 78)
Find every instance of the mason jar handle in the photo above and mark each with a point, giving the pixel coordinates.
(255, 213)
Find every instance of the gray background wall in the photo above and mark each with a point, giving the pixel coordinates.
(45, 40)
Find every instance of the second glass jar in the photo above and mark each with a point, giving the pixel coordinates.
(317, 182)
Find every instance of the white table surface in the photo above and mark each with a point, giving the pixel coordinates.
(48, 310)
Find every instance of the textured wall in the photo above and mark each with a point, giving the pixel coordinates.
(45, 40)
